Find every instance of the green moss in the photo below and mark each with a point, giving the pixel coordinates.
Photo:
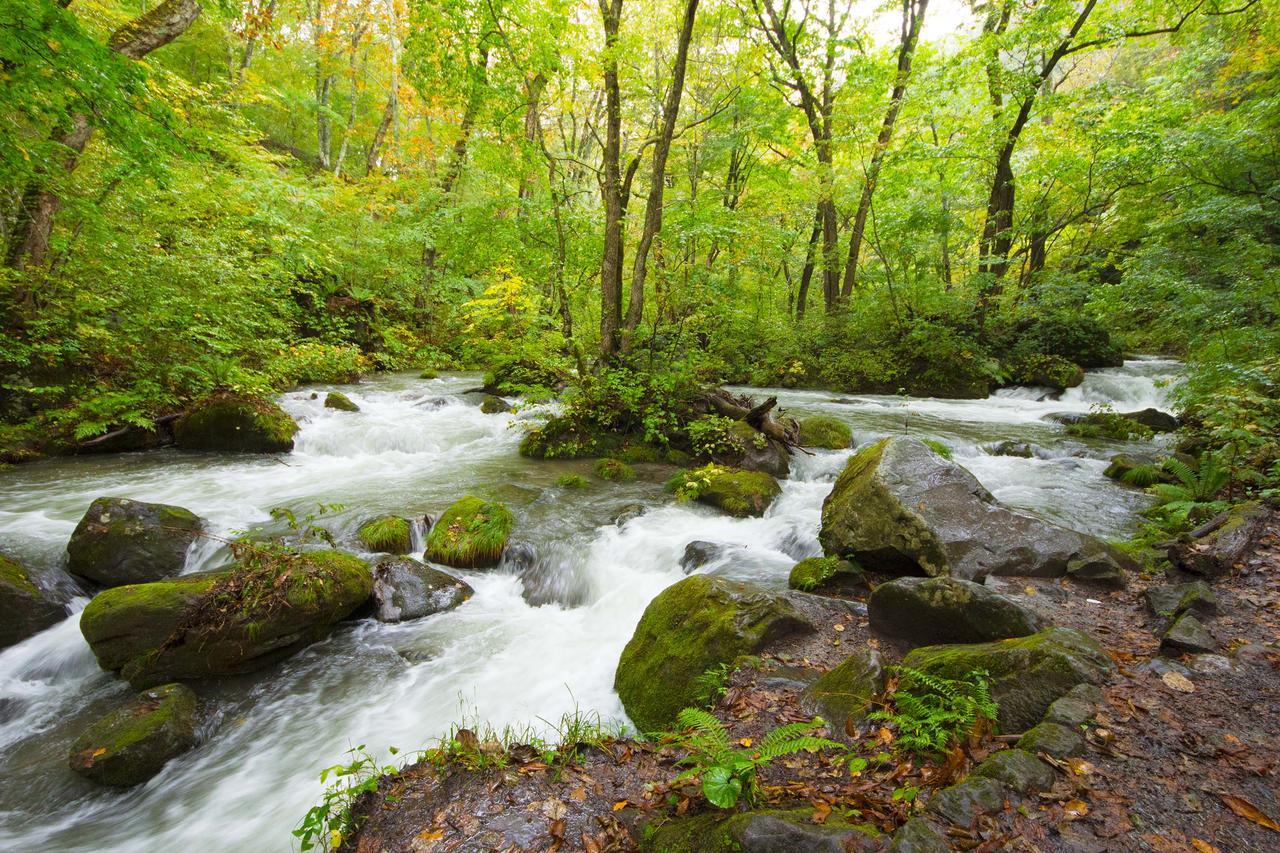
(14, 576)
(739, 493)
(472, 533)
(823, 431)
(227, 422)
(572, 481)
(1048, 371)
(846, 692)
(428, 373)
(338, 400)
(132, 743)
(943, 450)
(1109, 425)
(691, 627)
(615, 471)
(726, 832)
(388, 534)
(818, 572)
(493, 405)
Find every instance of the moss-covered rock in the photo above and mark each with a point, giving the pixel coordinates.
(760, 831)
(1019, 449)
(917, 836)
(428, 373)
(119, 541)
(1053, 739)
(739, 493)
(341, 402)
(24, 608)
(1017, 770)
(565, 438)
(1234, 538)
(1027, 673)
(1186, 635)
(845, 693)
(387, 534)
(492, 404)
(471, 534)
(826, 574)
(1173, 600)
(404, 588)
(826, 432)
(690, 627)
(227, 422)
(515, 377)
(1108, 425)
(223, 623)
(899, 507)
(751, 450)
(1047, 371)
(961, 803)
(615, 471)
(133, 743)
(947, 610)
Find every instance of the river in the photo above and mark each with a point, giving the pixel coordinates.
(520, 652)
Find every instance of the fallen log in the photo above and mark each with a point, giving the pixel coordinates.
(760, 417)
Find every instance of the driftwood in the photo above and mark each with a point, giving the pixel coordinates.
(131, 437)
(760, 417)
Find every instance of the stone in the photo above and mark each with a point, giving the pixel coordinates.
(387, 534)
(698, 554)
(492, 404)
(762, 831)
(947, 610)
(1186, 634)
(1233, 539)
(742, 494)
(229, 422)
(1027, 673)
(917, 836)
(1196, 598)
(845, 693)
(404, 589)
(134, 742)
(1017, 770)
(692, 626)
(25, 610)
(341, 402)
(826, 575)
(627, 513)
(900, 508)
(1076, 708)
(471, 534)
(119, 541)
(826, 432)
(1052, 739)
(754, 451)
(1048, 371)
(1019, 449)
(960, 804)
(170, 630)
(1153, 419)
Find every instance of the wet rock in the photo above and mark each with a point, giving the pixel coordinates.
(387, 534)
(1017, 770)
(519, 557)
(762, 831)
(1160, 666)
(1123, 465)
(494, 405)
(1027, 673)
(698, 554)
(825, 432)
(900, 507)
(961, 803)
(471, 534)
(25, 610)
(826, 574)
(1052, 739)
(754, 451)
(740, 493)
(1210, 664)
(947, 610)
(627, 513)
(341, 402)
(690, 627)
(1153, 419)
(917, 836)
(1076, 708)
(1012, 448)
(1047, 371)
(169, 630)
(1195, 597)
(133, 743)
(406, 589)
(1093, 570)
(554, 575)
(1186, 634)
(119, 541)
(228, 422)
(1233, 538)
(844, 694)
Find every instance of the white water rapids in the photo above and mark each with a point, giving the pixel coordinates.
(415, 446)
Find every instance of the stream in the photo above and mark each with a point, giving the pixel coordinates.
(533, 644)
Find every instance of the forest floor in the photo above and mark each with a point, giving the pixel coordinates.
(1173, 763)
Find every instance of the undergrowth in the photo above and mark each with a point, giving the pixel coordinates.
(931, 713)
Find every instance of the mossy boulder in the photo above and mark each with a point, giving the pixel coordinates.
(119, 541)
(901, 508)
(1173, 600)
(845, 693)
(1154, 419)
(133, 743)
(1018, 449)
(341, 402)
(760, 831)
(947, 610)
(1187, 635)
(1234, 537)
(1017, 770)
(1108, 425)
(471, 534)
(1027, 673)
(1053, 739)
(24, 608)
(405, 589)
(387, 534)
(917, 836)
(752, 450)
(566, 438)
(826, 574)
(428, 373)
(615, 471)
(226, 622)
(1047, 371)
(825, 432)
(740, 493)
(962, 802)
(690, 627)
(228, 422)
(492, 404)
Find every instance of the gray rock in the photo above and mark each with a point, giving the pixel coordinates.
(1233, 539)
(119, 541)
(899, 507)
(756, 452)
(947, 610)
(24, 608)
(1186, 634)
(1052, 739)
(786, 832)
(1174, 600)
(844, 694)
(494, 405)
(1208, 664)
(698, 553)
(404, 589)
(1012, 448)
(917, 836)
(627, 513)
(1153, 419)
(1017, 770)
(1076, 708)
(961, 803)
(341, 402)
(133, 743)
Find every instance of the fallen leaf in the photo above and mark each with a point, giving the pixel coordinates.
(619, 805)
(1249, 811)
(1203, 846)
(885, 735)
(1079, 767)
(102, 750)
(746, 741)
(554, 809)
(837, 627)
(557, 829)
(1178, 681)
(578, 794)
(821, 811)
(1076, 808)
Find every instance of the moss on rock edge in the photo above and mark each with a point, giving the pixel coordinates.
(228, 422)
(472, 533)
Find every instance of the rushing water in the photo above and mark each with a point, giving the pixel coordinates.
(530, 646)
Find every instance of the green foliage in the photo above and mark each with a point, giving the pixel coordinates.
(572, 481)
(690, 485)
(615, 471)
(712, 684)
(711, 435)
(931, 712)
(1194, 496)
(1104, 422)
(938, 447)
(390, 534)
(331, 821)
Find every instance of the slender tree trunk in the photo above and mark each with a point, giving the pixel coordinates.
(251, 40)
(356, 35)
(806, 274)
(533, 86)
(611, 188)
(373, 162)
(29, 241)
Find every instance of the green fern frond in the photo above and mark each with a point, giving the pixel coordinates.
(1168, 493)
(1141, 476)
(1184, 473)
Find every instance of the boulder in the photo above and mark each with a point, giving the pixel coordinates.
(694, 625)
(341, 402)
(1012, 448)
(754, 451)
(961, 803)
(947, 610)
(1047, 371)
(1187, 635)
(825, 432)
(826, 574)
(844, 694)
(1137, 469)
(1153, 419)
(1053, 739)
(404, 589)
(739, 493)
(901, 508)
(1017, 770)
(1027, 673)
(228, 422)
(917, 836)
(1175, 599)
(24, 609)
(1232, 538)
(226, 622)
(471, 534)
(698, 553)
(1076, 708)
(119, 541)
(615, 471)
(761, 831)
(492, 404)
(133, 743)
(387, 534)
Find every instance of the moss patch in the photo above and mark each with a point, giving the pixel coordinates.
(615, 471)
(131, 744)
(388, 534)
(228, 422)
(24, 610)
(823, 431)
(814, 573)
(739, 493)
(341, 402)
(472, 533)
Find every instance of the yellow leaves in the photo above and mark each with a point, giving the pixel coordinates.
(1203, 846)
(1249, 811)
(746, 741)
(102, 750)
(620, 805)
(1076, 808)
(1178, 681)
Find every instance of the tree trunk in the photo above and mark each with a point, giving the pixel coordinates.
(29, 243)
(323, 82)
(806, 275)
(611, 188)
(373, 162)
(251, 40)
(533, 87)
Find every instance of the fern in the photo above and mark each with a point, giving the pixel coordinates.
(931, 712)
(1142, 476)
